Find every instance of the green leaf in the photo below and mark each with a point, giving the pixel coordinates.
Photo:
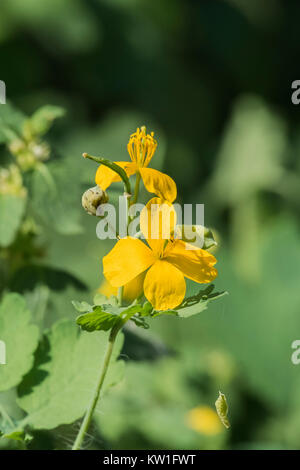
(106, 313)
(100, 299)
(11, 213)
(11, 122)
(146, 310)
(59, 387)
(52, 196)
(99, 319)
(194, 304)
(198, 303)
(20, 339)
(82, 307)
(140, 321)
(41, 121)
(106, 316)
(18, 435)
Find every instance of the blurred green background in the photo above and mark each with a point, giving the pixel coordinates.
(212, 79)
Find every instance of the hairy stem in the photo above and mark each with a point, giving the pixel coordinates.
(113, 334)
(136, 189)
(120, 295)
(91, 408)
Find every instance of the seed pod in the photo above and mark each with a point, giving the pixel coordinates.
(222, 409)
(93, 198)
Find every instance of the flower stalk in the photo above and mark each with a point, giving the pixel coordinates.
(114, 332)
(162, 258)
(91, 408)
(136, 189)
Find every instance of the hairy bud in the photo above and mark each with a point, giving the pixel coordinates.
(93, 198)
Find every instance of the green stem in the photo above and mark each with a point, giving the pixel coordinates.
(114, 167)
(136, 189)
(113, 334)
(91, 408)
(120, 295)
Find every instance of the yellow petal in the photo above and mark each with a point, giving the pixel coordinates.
(105, 176)
(157, 223)
(164, 286)
(194, 264)
(128, 258)
(159, 183)
(132, 290)
(107, 289)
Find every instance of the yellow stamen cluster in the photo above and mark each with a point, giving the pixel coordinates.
(141, 146)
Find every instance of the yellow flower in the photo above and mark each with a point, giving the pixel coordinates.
(141, 148)
(204, 420)
(132, 290)
(167, 261)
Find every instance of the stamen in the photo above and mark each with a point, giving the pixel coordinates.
(141, 146)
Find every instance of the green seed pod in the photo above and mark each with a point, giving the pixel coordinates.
(222, 409)
(93, 198)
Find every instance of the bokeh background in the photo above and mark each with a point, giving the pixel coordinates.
(212, 79)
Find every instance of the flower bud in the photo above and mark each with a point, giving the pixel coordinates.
(93, 198)
(11, 181)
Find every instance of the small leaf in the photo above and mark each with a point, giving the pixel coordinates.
(11, 213)
(98, 320)
(222, 409)
(139, 321)
(112, 300)
(20, 339)
(100, 299)
(146, 310)
(18, 435)
(194, 304)
(11, 121)
(52, 196)
(82, 307)
(41, 121)
(157, 313)
(106, 316)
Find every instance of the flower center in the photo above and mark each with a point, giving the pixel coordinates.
(141, 146)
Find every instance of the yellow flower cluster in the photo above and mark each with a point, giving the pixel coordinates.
(158, 267)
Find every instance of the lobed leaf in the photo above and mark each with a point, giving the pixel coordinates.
(41, 121)
(194, 304)
(99, 319)
(20, 339)
(56, 391)
(11, 213)
(11, 122)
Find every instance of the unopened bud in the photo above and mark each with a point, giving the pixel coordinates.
(93, 198)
